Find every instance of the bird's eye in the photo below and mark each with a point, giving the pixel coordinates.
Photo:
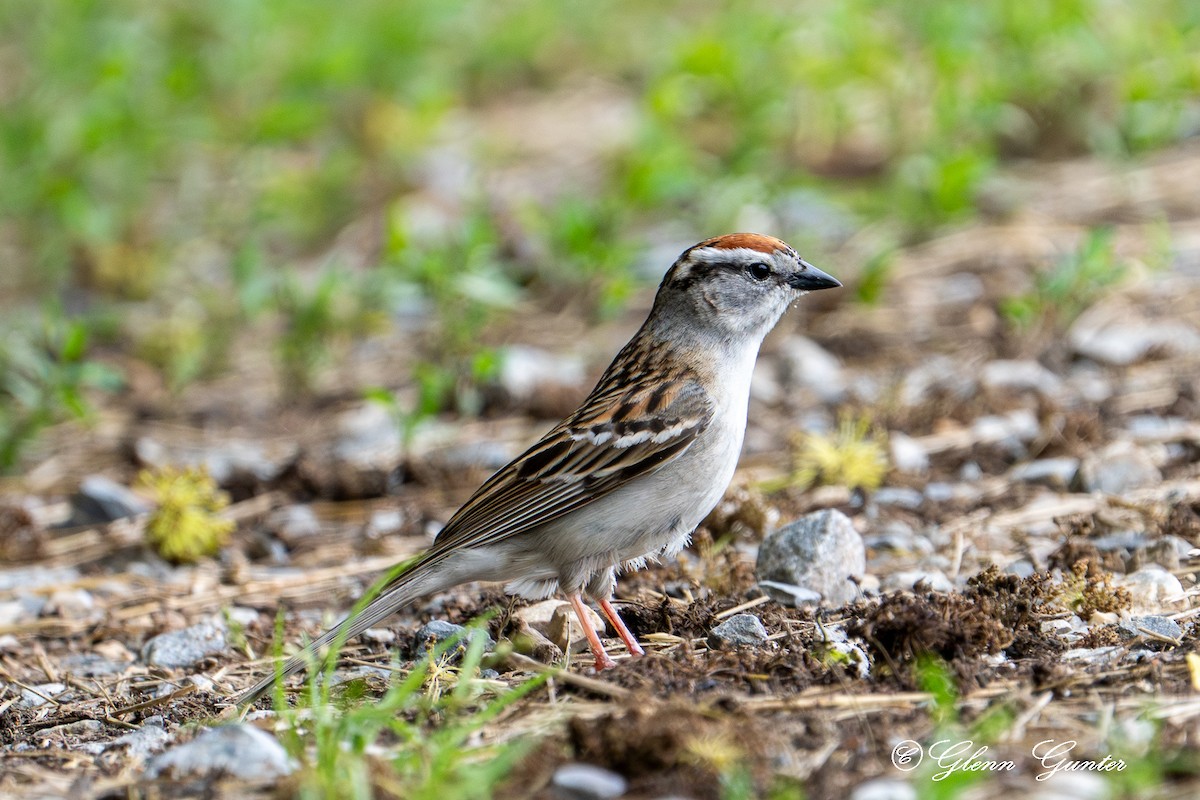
(758, 271)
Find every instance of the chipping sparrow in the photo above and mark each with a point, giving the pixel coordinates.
(631, 473)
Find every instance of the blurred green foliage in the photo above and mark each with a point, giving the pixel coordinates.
(1072, 284)
(211, 158)
(44, 377)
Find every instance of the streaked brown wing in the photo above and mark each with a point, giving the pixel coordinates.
(616, 436)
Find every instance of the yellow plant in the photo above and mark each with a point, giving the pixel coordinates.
(852, 455)
(185, 527)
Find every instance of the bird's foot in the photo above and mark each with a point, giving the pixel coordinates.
(618, 624)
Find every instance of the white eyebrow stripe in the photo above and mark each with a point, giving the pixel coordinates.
(707, 255)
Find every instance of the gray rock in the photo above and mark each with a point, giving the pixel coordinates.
(819, 551)
(1151, 588)
(233, 463)
(23, 609)
(789, 593)
(439, 630)
(1057, 473)
(527, 371)
(904, 580)
(186, 647)
(1118, 468)
(1093, 655)
(71, 603)
(148, 739)
(805, 364)
(91, 665)
(1168, 551)
(970, 472)
(883, 789)
(940, 492)
(938, 375)
(1020, 376)
(30, 578)
(900, 496)
(102, 499)
(1012, 429)
(1155, 624)
(740, 630)
(899, 537)
(293, 524)
(907, 453)
(41, 694)
(240, 751)
(1127, 540)
(1123, 342)
(368, 436)
(586, 782)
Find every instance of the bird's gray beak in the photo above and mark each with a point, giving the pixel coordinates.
(809, 279)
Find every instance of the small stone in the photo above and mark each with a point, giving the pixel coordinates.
(899, 537)
(30, 578)
(529, 371)
(1118, 468)
(439, 630)
(883, 789)
(819, 552)
(1020, 376)
(939, 492)
(1151, 587)
(240, 751)
(907, 453)
(293, 524)
(740, 630)
(235, 463)
(149, 738)
(102, 499)
(82, 728)
(91, 665)
(905, 580)
(1121, 341)
(1093, 655)
(72, 603)
(805, 364)
(937, 376)
(41, 694)
(586, 782)
(789, 593)
(1167, 551)
(1057, 473)
(1155, 624)
(900, 496)
(379, 635)
(186, 647)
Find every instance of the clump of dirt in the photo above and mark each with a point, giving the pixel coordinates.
(903, 626)
(1183, 520)
(676, 749)
(780, 670)
(663, 614)
(997, 612)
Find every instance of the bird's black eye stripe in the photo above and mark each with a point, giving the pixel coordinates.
(758, 271)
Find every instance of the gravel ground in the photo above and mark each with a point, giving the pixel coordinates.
(1036, 531)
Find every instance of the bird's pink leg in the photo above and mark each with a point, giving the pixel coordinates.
(631, 643)
(602, 658)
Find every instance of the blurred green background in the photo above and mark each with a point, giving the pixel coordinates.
(177, 174)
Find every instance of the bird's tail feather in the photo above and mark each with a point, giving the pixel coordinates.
(419, 579)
